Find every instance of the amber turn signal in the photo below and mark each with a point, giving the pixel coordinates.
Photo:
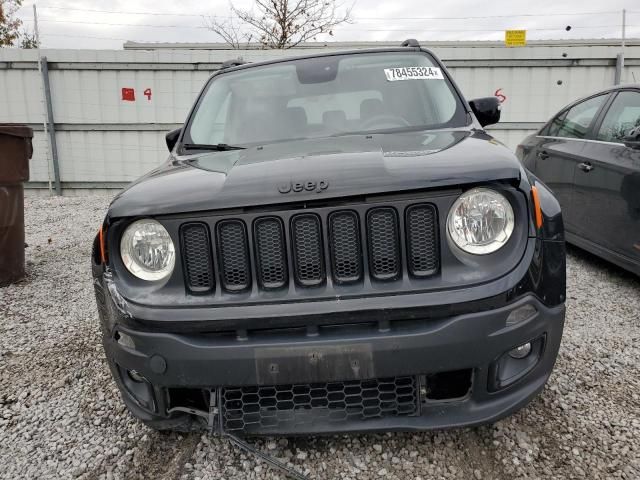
(536, 206)
(103, 248)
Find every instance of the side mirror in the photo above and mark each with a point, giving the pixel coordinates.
(172, 138)
(632, 139)
(486, 110)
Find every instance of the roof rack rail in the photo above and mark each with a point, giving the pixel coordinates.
(410, 42)
(232, 63)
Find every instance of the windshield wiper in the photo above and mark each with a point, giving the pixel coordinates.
(219, 147)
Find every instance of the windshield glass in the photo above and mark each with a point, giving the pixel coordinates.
(325, 96)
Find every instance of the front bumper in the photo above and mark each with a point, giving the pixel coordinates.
(416, 348)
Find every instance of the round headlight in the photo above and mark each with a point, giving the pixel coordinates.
(147, 250)
(480, 221)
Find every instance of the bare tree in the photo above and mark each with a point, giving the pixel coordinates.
(230, 30)
(281, 23)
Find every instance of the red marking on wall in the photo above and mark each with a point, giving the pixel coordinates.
(128, 95)
(147, 93)
(500, 96)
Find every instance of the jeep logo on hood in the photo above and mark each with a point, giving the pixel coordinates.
(308, 185)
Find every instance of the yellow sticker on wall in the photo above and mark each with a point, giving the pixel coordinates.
(515, 38)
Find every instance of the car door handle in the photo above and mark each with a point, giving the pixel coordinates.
(543, 155)
(585, 167)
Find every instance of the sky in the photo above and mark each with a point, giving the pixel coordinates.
(107, 24)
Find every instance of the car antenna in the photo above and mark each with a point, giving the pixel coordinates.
(232, 63)
(410, 42)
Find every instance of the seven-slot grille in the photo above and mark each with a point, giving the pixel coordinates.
(307, 248)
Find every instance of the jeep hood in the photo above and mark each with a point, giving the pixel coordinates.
(348, 165)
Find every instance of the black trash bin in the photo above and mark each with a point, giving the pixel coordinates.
(15, 151)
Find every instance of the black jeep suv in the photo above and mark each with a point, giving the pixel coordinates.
(334, 244)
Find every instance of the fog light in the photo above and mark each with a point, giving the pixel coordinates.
(514, 364)
(137, 388)
(521, 352)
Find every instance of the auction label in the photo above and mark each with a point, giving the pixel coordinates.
(413, 73)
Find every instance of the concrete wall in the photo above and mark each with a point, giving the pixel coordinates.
(105, 142)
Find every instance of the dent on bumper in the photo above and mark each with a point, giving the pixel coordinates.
(417, 347)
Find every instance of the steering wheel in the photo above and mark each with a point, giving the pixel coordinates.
(385, 120)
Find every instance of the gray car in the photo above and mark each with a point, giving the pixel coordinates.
(589, 155)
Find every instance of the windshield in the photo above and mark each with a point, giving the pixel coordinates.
(325, 96)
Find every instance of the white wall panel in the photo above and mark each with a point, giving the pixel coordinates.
(533, 93)
(39, 165)
(109, 156)
(20, 96)
(85, 96)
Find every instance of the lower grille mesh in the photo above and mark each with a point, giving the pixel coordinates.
(255, 408)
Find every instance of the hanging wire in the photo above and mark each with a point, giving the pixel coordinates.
(465, 17)
(204, 27)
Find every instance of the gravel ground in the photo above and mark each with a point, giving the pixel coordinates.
(61, 416)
